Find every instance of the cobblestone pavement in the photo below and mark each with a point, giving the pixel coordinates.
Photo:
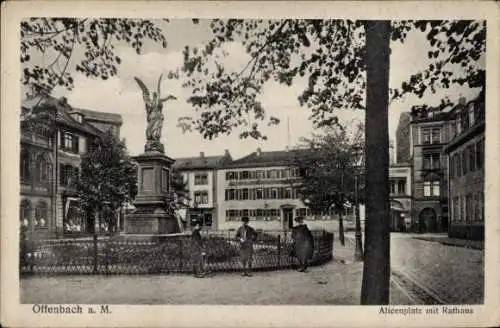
(447, 274)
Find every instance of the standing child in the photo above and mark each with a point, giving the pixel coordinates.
(197, 252)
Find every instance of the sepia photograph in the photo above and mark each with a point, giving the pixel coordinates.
(252, 161)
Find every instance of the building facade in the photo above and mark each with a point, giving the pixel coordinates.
(400, 187)
(51, 150)
(200, 176)
(465, 154)
(264, 187)
(429, 134)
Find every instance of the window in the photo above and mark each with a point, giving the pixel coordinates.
(469, 208)
(465, 157)
(41, 214)
(454, 208)
(459, 165)
(295, 172)
(42, 169)
(67, 174)
(392, 187)
(288, 193)
(260, 174)
(69, 142)
(480, 155)
(244, 194)
(252, 175)
(431, 135)
(201, 197)
(472, 157)
(285, 173)
(274, 193)
(25, 165)
(201, 179)
(244, 175)
(435, 188)
(272, 174)
(231, 175)
(431, 188)
(431, 161)
(402, 187)
(230, 194)
(25, 212)
(259, 194)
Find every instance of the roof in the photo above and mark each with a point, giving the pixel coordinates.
(99, 116)
(63, 113)
(196, 163)
(266, 158)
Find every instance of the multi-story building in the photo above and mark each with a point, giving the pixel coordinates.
(263, 187)
(465, 154)
(400, 196)
(50, 156)
(429, 134)
(200, 176)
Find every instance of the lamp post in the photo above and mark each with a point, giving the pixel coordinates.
(358, 252)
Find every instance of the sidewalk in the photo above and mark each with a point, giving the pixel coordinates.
(335, 283)
(445, 240)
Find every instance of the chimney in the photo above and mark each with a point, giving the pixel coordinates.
(259, 151)
(202, 154)
(462, 101)
(226, 152)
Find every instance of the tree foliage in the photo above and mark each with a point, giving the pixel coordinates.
(180, 190)
(55, 40)
(108, 177)
(331, 162)
(331, 54)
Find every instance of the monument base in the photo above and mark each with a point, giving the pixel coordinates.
(152, 216)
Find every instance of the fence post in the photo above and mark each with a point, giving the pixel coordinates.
(95, 252)
(180, 254)
(279, 250)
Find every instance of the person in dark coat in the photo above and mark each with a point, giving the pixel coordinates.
(303, 243)
(197, 252)
(246, 236)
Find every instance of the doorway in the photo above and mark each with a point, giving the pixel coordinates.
(427, 220)
(287, 218)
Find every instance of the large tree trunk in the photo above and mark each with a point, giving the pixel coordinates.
(376, 271)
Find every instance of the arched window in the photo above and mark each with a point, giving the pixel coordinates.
(25, 165)
(41, 214)
(25, 209)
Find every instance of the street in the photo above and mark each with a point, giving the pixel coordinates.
(448, 274)
(423, 273)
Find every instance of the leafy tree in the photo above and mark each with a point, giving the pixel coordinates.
(180, 190)
(108, 177)
(341, 59)
(84, 45)
(331, 162)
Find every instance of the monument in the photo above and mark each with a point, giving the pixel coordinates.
(152, 215)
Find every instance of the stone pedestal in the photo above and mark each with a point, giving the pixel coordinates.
(151, 216)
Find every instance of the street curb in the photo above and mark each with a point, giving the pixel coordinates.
(449, 243)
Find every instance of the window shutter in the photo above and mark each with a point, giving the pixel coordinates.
(75, 143)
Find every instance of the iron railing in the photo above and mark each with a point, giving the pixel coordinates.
(171, 254)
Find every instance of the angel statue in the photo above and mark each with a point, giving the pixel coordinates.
(154, 112)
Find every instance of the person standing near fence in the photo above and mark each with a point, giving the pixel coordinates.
(247, 236)
(197, 252)
(303, 243)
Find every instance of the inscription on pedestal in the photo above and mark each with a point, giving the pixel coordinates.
(147, 176)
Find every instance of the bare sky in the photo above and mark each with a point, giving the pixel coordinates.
(121, 95)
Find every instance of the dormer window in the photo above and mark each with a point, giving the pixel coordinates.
(78, 117)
